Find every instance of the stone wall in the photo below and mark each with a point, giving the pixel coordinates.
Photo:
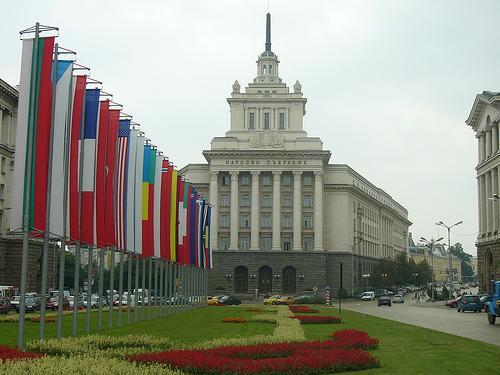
(483, 251)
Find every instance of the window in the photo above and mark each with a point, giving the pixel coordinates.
(282, 120)
(224, 221)
(3, 167)
(287, 199)
(270, 69)
(308, 200)
(265, 221)
(245, 200)
(266, 200)
(225, 180)
(224, 200)
(251, 121)
(287, 221)
(264, 69)
(245, 180)
(244, 243)
(308, 223)
(287, 180)
(2, 188)
(287, 244)
(308, 181)
(244, 221)
(224, 242)
(266, 120)
(308, 243)
(266, 180)
(265, 243)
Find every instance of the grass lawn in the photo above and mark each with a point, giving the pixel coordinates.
(403, 349)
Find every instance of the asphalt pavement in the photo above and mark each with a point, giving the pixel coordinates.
(433, 316)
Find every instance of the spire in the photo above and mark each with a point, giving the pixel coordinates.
(268, 32)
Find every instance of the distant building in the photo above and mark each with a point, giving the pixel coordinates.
(484, 120)
(473, 263)
(11, 245)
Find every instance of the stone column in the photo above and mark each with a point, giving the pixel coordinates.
(235, 205)
(488, 143)
(255, 212)
(482, 204)
(214, 201)
(488, 202)
(276, 240)
(297, 210)
(5, 141)
(494, 201)
(318, 210)
(494, 138)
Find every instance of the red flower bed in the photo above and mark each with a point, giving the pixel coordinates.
(10, 354)
(302, 309)
(299, 358)
(353, 338)
(308, 319)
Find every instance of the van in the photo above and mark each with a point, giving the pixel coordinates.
(368, 296)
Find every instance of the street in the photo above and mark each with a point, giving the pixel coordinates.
(433, 316)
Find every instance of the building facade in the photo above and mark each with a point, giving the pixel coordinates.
(10, 244)
(283, 217)
(484, 120)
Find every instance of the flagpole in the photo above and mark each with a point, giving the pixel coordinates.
(136, 288)
(129, 285)
(167, 290)
(143, 288)
(111, 287)
(156, 288)
(120, 290)
(89, 285)
(150, 274)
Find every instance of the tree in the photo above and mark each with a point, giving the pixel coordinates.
(466, 267)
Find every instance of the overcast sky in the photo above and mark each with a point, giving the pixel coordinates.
(389, 83)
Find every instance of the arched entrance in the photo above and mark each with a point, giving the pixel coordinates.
(489, 269)
(265, 280)
(289, 280)
(241, 279)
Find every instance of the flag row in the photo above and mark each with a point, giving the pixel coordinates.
(84, 172)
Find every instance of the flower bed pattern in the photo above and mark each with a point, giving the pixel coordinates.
(302, 310)
(307, 319)
(282, 358)
(48, 319)
(234, 320)
(355, 339)
(11, 354)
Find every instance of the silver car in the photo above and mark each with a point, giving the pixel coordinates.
(398, 298)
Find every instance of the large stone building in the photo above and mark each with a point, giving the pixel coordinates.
(10, 244)
(484, 119)
(283, 217)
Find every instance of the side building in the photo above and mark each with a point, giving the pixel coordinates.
(484, 119)
(284, 218)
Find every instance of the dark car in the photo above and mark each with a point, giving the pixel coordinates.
(230, 300)
(453, 303)
(384, 300)
(4, 305)
(31, 305)
(484, 299)
(469, 303)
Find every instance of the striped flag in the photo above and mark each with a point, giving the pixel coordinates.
(173, 217)
(138, 200)
(166, 187)
(130, 206)
(182, 222)
(34, 103)
(148, 174)
(88, 173)
(74, 157)
(208, 246)
(61, 120)
(192, 226)
(100, 174)
(157, 206)
(121, 189)
(110, 177)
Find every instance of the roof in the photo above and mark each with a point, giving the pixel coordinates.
(481, 101)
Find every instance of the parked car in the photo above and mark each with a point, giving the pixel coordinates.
(273, 300)
(285, 300)
(4, 305)
(15, 302)
(453, 303)
(94, 302)
(398, 298)
(368, 296)
(230, 300)
(484, 299)
(469, 303)
(79, 303)
(30, 305)
(53, 303)
(384, 300)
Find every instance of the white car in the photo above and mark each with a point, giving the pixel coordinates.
(368, 296)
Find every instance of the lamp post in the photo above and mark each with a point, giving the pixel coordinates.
(384, 275)
(430, 244)
(365, 277)
(450, 269)
(415, 275)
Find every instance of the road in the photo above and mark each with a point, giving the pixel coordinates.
(434, 316)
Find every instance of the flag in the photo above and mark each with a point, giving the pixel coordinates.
(157, 206)
(181, 228)
(35, 102)
(138, 200)
(76, 128)
(173, 217)
(121, 188)
(207, 239)
(130, 206)
(110, 178)
(148, 175)
(100, 174)
(88, 173)
(192, 226)
(166, 187)
(61, 120)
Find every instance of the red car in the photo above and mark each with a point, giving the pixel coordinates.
(453, 303)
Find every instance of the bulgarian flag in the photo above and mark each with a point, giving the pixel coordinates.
(110, 178)
(33, 134)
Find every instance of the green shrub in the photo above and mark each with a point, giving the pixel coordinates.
(310, 300)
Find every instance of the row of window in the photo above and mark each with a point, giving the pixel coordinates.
(266, 180)
(265, 242)
(267, 120)
(266, 221)
(266, 200)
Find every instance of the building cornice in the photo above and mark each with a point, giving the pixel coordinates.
(283, 154)
(10, 94)
(480, 103)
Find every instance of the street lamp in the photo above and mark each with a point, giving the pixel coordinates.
(384, 275)
(430, 244)
(450, 273)
(365, 277)
(415, 275)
